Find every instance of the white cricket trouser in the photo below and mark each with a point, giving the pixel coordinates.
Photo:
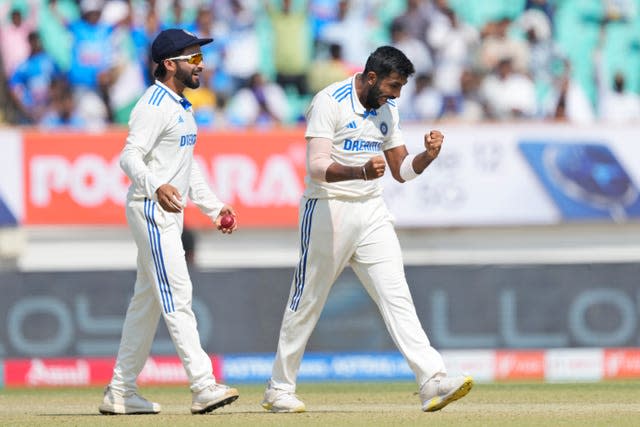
(163, 287)
(334, 233)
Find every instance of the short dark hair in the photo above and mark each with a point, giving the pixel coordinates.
(33, 35)
(161, 70)
(386, 60)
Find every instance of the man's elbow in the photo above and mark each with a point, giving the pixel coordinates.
(318, 167)
(318, 172)
(127, 159)
(123, 160)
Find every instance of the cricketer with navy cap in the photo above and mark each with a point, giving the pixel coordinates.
(158, 158)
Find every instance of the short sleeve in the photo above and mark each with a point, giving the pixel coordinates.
(322, 117)
(394, 137)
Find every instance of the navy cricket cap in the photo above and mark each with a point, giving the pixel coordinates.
(173, 40)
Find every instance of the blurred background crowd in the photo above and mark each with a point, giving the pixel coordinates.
(82, 64)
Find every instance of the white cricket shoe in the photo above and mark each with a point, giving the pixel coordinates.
(127, 403)
(438, 392)
(212, 397)
(277, 400)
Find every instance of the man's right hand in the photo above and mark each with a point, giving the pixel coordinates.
(169, 198)
(375, 168)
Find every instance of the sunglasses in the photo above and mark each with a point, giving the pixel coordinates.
(193, 59)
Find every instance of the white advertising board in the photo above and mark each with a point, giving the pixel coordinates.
(521, 175)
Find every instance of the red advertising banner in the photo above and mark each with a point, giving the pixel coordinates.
(57, 372)
(75, 178)
(93, 371)
(622, 363)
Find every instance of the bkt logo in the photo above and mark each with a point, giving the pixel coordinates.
(586, 181)
(186, 140)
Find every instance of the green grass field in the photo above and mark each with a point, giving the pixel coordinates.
(353, 404)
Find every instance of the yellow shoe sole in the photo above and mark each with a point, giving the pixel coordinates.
(439, 402)
(269, 407)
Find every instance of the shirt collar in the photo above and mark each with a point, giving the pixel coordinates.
(185, 103)
(177, 98)
(368, 113)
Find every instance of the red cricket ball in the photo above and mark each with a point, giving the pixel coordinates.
(227, 221)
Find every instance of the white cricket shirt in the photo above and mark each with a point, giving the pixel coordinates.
(358, 135)
(159, 150)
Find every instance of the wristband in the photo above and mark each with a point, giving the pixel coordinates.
(364, 173)
(406, 168)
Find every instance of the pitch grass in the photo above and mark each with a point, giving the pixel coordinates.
(346, 404)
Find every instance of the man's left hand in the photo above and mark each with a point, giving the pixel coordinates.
(433, 143)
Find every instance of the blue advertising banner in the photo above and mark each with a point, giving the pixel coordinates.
(321, 367)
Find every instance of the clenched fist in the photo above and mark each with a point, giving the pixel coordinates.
(374, 168)
(432, 143)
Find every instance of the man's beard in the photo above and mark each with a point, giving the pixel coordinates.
(371, 102)
(186, 78)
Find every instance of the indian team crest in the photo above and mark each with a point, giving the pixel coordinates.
(384, 128)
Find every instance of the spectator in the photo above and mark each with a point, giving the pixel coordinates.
(92, 60)
(31, 81)
(143, 36)
(546, 59)
(616, 104)
(416, 19)
(357, 46)
(136, 29)
(292, 46)
(507, 93)
(572, 104)
(417, 53)
(62, 112)
(322, 12)
(52, 26)
(206, 25)
(261, 104)
(175, 15)
(453, 43)
(425, 102)
(93, 50)
(126, 80)
(214, 75)
(413, 48)
(323, 72)
(496, 44)
(466, 105)
(14, 33)
(237, 68)
(545, 6)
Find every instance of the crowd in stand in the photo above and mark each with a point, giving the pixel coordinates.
(82, 64)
